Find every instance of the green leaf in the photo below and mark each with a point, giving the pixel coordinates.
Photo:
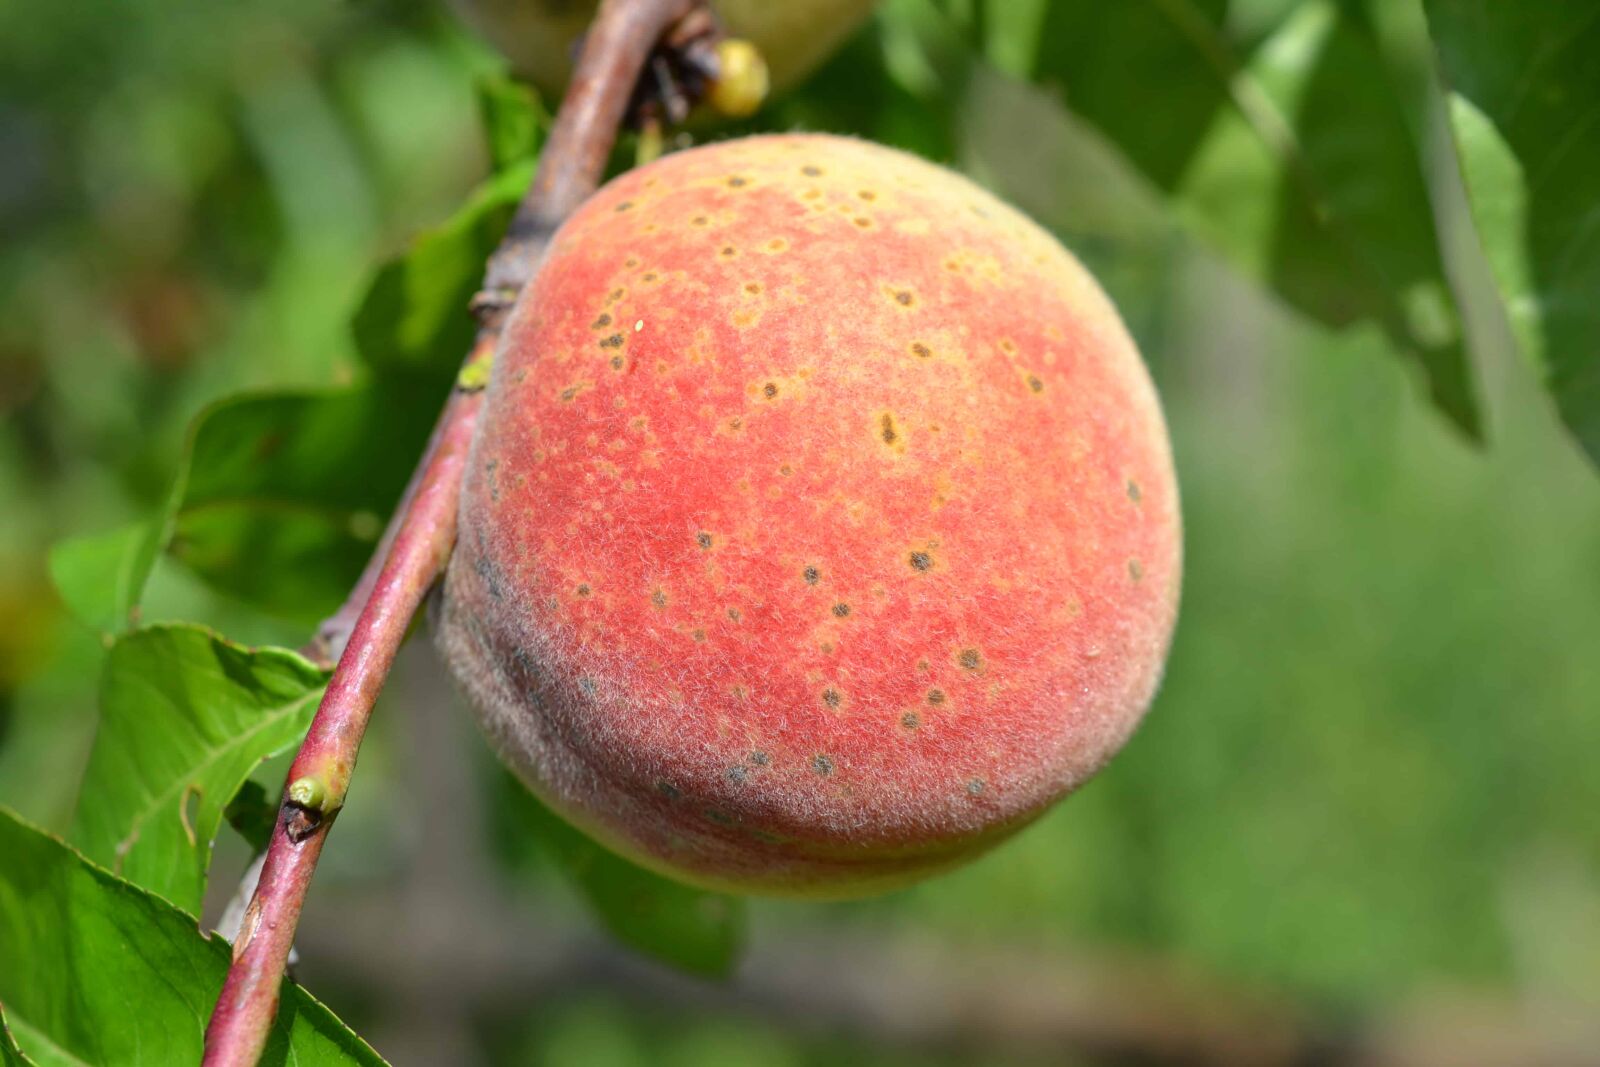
(280, 502)
(1282, 142)
(253, 814)
(1525, 111)
(514, 121)
(100, 577)
(282, 497)
(10, 1054)
(97, 970)
(285, 494)
(694, 930)
(414, 318)
(184, 717)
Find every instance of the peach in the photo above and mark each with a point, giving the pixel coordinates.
(539, 36)
(821, 529)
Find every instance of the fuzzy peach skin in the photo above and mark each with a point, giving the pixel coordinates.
(540, 36)
(821, 529)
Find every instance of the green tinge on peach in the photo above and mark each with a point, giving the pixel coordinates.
(821, 529)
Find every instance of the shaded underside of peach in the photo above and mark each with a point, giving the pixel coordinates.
(821, 529)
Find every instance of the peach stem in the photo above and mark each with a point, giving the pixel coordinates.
(418, 544)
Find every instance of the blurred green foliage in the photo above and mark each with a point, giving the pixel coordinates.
(1369, 774)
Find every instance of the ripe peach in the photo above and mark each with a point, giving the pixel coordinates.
(538, 36)
(821, 529)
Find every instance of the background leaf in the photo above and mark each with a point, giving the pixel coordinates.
(253, 814)
(414, 318)
(279, 503)
(1526, 116)
(282, 497)
(10, 1054)
(184, 717)
(99, 971)
(101, 576)
(514, 121)
(286, 494)
(691, 929)
(1281, 140)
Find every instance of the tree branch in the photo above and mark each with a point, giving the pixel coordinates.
(417, 546)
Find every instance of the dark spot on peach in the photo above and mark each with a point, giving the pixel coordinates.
(584, 590)
(648, 276)
(822, 765)
(737, 182)
(616, 362)
(601, 323)
(769, 390)
(658, 598)
(614, 341)
(975, 787)
(721, 818)
(862, 221)
(702, 539)
(733, 613)
(904, 298)
(786, 470)
(811, 171)
(887, 430)
(624, 206)
(615, 295)
(490, 575)
(631, 262)
(841, 610)
(921, 561)
(811, 575)
(1135, 494)
(736, 774)
(668, 790)
(911, 720)
(729, 251)
(936, 697)
(867, 194)
(698, 635)
(921, 350)
(1035, 384)
(570, 392)
(760, 759)
(699, 220)
(753, 288)
(588, 686)
(1135, 569)
(832, 697)
(969, 659)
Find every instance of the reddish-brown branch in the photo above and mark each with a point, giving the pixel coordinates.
(320, 775)
(618, 44)
(415, 549)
